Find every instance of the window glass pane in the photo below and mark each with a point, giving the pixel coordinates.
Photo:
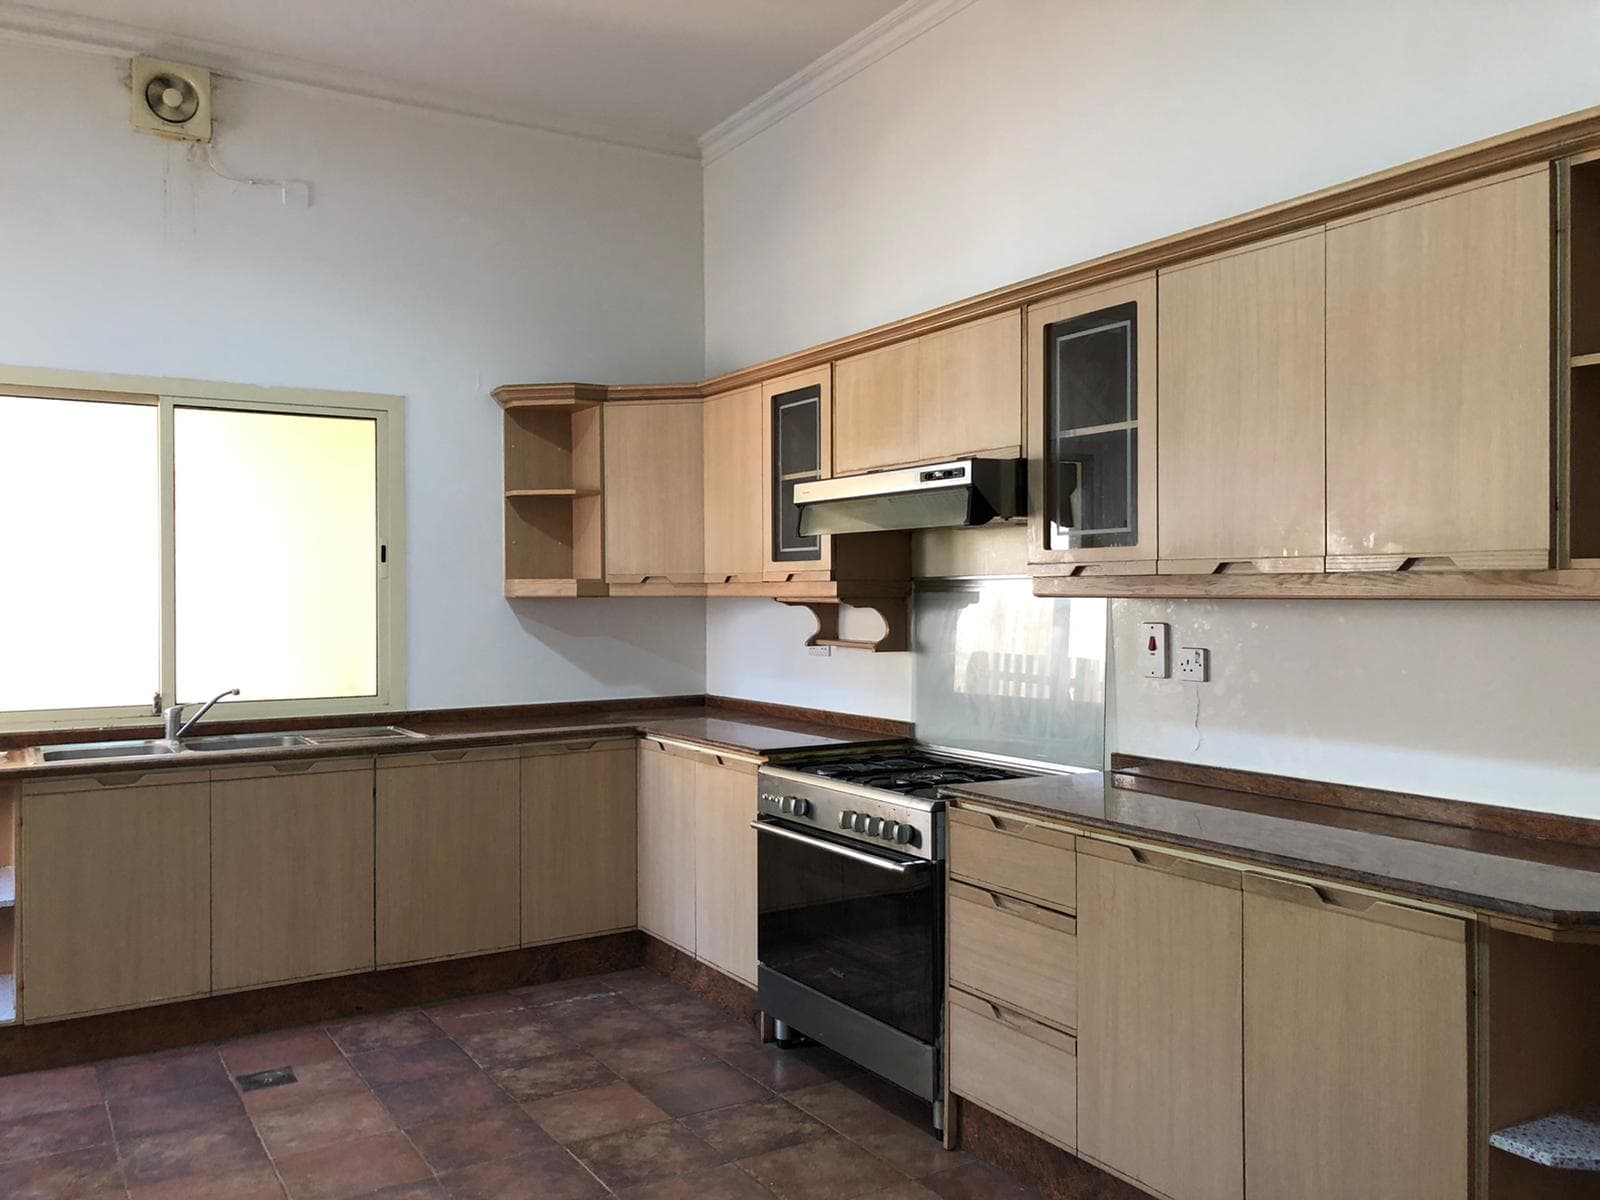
(798, 419)
(82, 608)
(276, 554)
(1096, 501)
(1093, 369)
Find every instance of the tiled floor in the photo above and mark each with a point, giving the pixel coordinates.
(623, 1084)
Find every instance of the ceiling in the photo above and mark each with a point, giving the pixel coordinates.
(652, 73)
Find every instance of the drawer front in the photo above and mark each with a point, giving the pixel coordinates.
(1018, 954)
(1026, 1072)
(1014, 856)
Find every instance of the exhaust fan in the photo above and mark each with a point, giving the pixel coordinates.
(171, 99)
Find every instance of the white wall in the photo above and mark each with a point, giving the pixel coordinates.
(442, 257)
(1020, 136)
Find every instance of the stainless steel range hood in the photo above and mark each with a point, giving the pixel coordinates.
(967, 491)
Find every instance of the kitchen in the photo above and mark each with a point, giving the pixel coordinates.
(989, 686)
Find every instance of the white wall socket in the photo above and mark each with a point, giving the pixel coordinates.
(1153, 660)
(1194, 664)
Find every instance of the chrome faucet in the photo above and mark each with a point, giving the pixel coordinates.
(174, 715)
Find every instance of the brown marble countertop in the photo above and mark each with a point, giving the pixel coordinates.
(708, 726)
(1534, 880)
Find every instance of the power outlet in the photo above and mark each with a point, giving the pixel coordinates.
(1153, 660)
(1194, 664)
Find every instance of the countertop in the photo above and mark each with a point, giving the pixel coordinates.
(1533, 880)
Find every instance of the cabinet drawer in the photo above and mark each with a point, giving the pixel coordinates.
(1015, 857)
(1026, 1072)
(1018, 954)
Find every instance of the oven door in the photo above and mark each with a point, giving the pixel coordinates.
(851, 925)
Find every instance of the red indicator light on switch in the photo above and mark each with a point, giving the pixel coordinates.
(1152, 646)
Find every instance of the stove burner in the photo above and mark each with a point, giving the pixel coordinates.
(911, 773)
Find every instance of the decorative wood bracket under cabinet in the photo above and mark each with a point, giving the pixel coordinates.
(894, 611)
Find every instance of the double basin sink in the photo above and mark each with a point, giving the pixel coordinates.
(80, 751)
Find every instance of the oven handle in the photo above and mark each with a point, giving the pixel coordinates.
(862, 856)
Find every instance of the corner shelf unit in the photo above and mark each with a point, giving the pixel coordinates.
(1580, 471)
(554, 502)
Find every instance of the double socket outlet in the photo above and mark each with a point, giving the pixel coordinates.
(1155, 657)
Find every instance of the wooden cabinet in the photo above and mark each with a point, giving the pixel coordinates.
(1092, 431)
(667, 785)
(654, 492)
(1356, 1047)
(1015, 856)
(735, 499)
(1017, 954)
(725, 865)
(797, 437)
(291, 872)
(1241, 459)
(876, 418)
(1439, 368)
(1160, 1007)
(115, 893)
(579, 840)
(447, 855)
(1022, 1069)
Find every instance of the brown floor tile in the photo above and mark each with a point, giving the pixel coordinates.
(830, 1168)
(472, 1006)
(843, 1108)
(419, 1060)
(76, 1176)
(290, 1131)
(552, 1076)
(424, 1189)
(746, 1130)
(291, 1048)
(909, 1190)
(318, 1081)
(727, 1182)
(48, 1091)
(910, 1149)
(683, 1010)
(788, 1070)
(510, 1045)
(562, 989)
(546, 1175)
(642, 1155)
(651, 1055)
(603, 1019)
(887, 1096)
(975, 1180)
(168, 1072)
(252, 1183)
(725, 1037)
(695, 1089)
(386, 1031)
(353, 1168)
(641, 983)
(164, 1112)
(594, 1112)
(465, 1141)
(54, 1132)
(422, 1101)
(220, 1146)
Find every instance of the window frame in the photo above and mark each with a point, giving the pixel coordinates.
(166, 396)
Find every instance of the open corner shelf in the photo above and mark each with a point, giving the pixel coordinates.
(554, 510)
(548, 493)
(1565, 1141)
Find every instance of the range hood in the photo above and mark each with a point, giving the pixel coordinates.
(967, 491)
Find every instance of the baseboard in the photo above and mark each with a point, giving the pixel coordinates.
(731, 995)
(1034, 1162)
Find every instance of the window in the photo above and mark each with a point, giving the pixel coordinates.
(174, 541)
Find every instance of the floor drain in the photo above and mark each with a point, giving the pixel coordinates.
(264, 1079)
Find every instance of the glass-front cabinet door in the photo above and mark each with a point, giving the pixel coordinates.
(798, 424)
(1092, 429)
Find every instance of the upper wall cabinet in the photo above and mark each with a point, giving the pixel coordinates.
(654, 493)
(735, 506)
(949, 394)
(1439, 367)
(1092, 432)
(1241, 446)
(797, 431)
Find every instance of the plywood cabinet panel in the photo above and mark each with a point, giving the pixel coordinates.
(1019, 1068)
(667, 784)
(654, 491)
(579, 842)
(797, 426)
(969, 385)
(1356, 1049)
(725, 867)
(448, 855)
(115, 896)
(1014, 856)
(876, 398)
(1439, 403)
(291, 872)
(1242, 412)
(734, 501)
(1018, 954)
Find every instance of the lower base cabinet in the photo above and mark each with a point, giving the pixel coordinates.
(1020, 1068)
(725, 866)
(666, 844)
(579, 840)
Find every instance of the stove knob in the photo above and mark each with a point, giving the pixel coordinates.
(802, 806)
(875, 827)
(768, 798)
(858, 822)
(845, 818)
(902, 834)
(891, 831)
(786, 804)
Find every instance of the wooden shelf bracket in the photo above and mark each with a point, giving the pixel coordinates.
(893, 610)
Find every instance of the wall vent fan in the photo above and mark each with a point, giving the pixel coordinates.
(171, 99)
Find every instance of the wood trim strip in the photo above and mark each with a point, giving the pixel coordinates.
(1024, 910)
(1015, 826)
(1358, 905)
(1565, 584)
(1010, 1017)
(1156, 860)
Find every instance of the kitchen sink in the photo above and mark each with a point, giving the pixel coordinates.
(245, 741)
(78, 751)
(356, 733)
(81, 751)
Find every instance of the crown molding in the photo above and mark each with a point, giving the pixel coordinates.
(26, 23)
(877, 41)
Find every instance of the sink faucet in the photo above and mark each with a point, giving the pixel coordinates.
(174, 715)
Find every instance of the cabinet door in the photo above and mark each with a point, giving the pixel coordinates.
(876, 422)
(735, 503)
(654, 491)
(1242, 462)
(448, 850)
(1092, 430)
(1160, 1054)
(725, 867)
(1356, 1047)
(969, 390)
(1439, 403)
(291, 872)
(579, 841)
(666, 845)
(797, 432)
(115, 895)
